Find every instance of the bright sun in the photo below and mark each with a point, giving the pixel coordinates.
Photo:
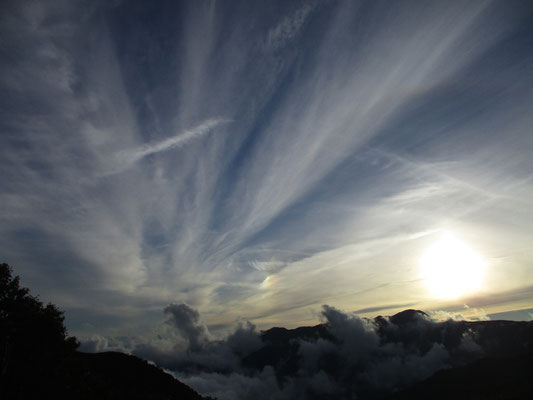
(450, 268)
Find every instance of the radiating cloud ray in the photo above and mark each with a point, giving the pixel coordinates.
(125, 158)
(356, 129)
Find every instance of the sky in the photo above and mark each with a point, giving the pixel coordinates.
(258, 159)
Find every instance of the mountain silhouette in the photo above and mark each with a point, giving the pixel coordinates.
(113, 375)
(494, 378)
(474, 351)
(405, 356)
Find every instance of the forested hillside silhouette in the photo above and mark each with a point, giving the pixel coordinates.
(39, 360)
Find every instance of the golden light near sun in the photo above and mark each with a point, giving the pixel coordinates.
(450, 268)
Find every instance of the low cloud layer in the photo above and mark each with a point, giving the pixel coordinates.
(344, 357)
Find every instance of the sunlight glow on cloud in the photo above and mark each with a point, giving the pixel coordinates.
(450, 268)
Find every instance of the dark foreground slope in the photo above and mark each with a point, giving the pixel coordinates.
(110, 375)
(39, 361)
(117, 376)
(495, 378)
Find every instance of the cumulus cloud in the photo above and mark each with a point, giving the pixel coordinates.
(185, 344)
(470, 314)
(187, 321)
(99, 343)
(94, 344)
(343, 357)
(233, 386)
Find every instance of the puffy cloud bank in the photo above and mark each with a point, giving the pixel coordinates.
(345, 357)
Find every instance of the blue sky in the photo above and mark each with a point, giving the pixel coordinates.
(257, 159)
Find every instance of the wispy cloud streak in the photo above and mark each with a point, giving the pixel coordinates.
(357, 129)
(126, 158)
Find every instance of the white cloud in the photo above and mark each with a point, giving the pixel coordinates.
(337, 155)
(126, 158)
(289, 26)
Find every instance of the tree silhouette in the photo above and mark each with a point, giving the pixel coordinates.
(38, 360)
(33, 339)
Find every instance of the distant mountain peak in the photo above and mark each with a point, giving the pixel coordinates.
(407, 316)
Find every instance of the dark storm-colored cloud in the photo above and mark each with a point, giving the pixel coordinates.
(187, 321)
(195, 348)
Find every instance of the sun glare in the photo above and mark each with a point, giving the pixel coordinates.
(450, 268)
